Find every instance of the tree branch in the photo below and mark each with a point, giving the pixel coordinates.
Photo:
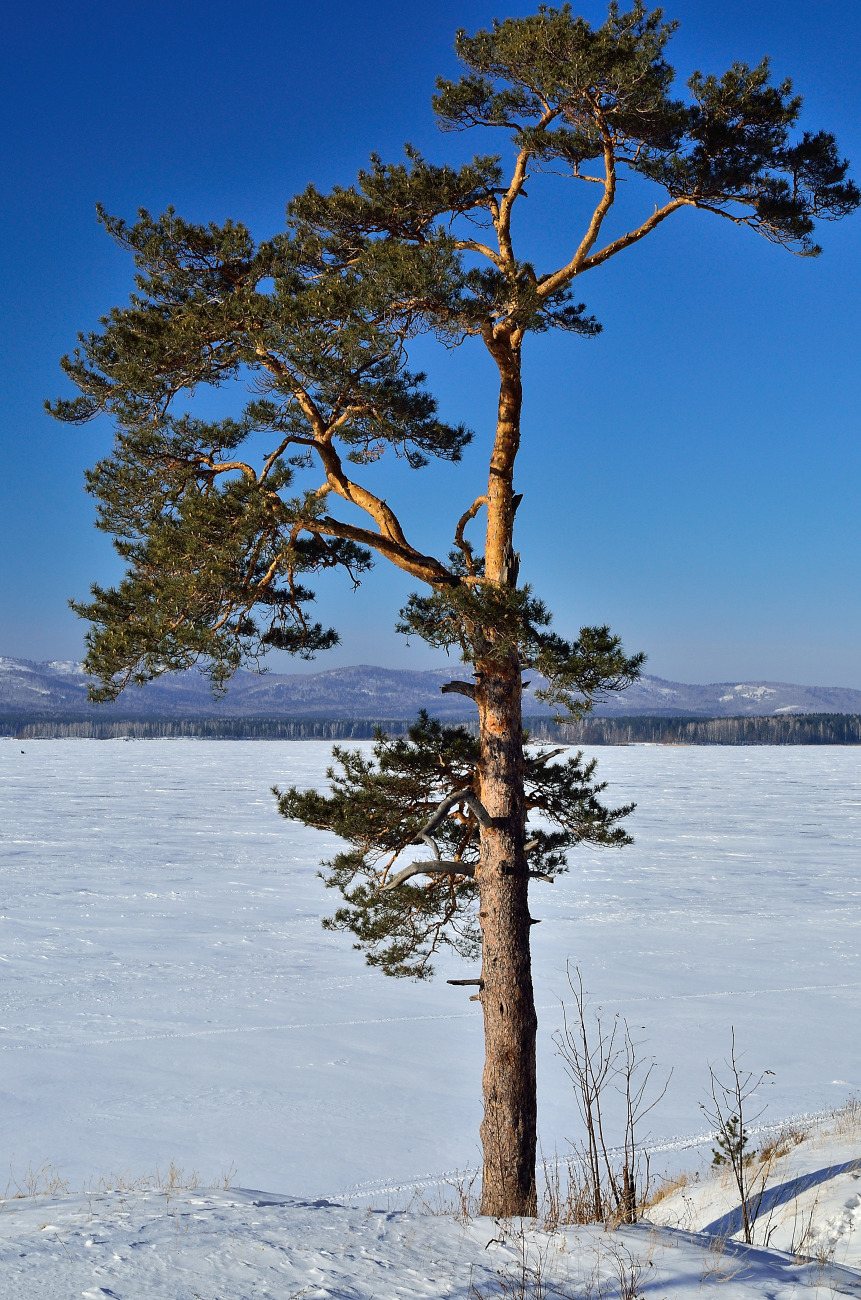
(309, 407)
(223, 466)
(473, 246)
(442, 868)
(429, 869)
(459, 688)
(544, 758)
(451, 801)
(632, 237)
(459, 540)
(503, 224)
(560, 278)
(391, 541)
(425, 567)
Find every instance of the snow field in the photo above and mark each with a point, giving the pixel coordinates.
(169, 995)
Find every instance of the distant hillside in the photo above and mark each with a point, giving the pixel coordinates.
(58, 689)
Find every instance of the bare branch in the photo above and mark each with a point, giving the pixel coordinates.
(633, 236)
(432, 844)
(459, 688)
(443, 868)
(459, 539)
(429, 869)
(451, 801)
(474, 246)
(544, 758)
(223, 466)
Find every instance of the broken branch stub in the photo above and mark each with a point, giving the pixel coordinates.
(458, 688)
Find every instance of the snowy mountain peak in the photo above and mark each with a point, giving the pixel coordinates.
(58, 689)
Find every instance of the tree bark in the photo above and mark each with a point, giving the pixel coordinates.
(501, 563)
(509, 1127)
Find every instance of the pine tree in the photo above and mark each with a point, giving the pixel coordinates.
(732, 1144)
(219, 545)
(424, 789)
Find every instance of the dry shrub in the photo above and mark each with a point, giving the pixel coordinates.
(168, 1182)
(458, 1197)
(847, 1117)
(600, 1058)
(667, 1188)
(782, 1143)
(802, 1242)
(541, 1271)
(531, 1275)
(466, 1198)
(567, 1197)
(629, 1271)
(717, 1265)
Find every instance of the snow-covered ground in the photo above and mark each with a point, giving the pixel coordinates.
(234, 1245)
(164, 1242)
(804, 1198)
(169, 995)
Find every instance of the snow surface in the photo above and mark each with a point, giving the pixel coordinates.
(221, 1245)
(808, 1201)
(169, 995)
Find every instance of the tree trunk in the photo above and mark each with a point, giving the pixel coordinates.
(508, 1130)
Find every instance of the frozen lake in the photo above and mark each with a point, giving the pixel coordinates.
(168, 992)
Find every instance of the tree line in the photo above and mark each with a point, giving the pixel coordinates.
(795, 729)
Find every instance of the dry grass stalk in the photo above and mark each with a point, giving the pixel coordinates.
(717, 1265)
(37, 1182)
(668, 1187)
(846, 1119)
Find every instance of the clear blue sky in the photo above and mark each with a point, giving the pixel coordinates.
(691, 477)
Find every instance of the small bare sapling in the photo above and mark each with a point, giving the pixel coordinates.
(728, 1111)
(597, 1060)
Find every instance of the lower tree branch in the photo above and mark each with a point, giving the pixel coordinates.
(544, 758)
(441, 868)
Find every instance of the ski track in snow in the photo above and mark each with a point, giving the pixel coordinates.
(59, 1041)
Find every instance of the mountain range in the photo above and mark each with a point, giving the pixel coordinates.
(58, 689)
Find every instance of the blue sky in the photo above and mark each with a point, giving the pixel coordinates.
(691, 477)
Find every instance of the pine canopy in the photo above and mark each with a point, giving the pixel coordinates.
(218, 538)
